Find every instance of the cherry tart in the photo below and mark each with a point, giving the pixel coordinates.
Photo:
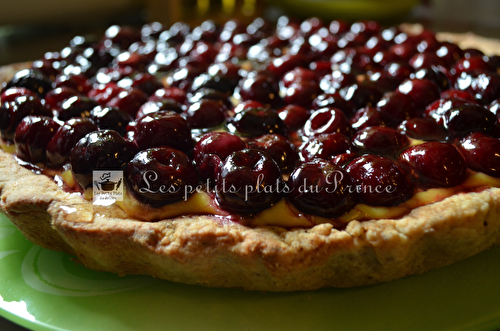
(260, 156)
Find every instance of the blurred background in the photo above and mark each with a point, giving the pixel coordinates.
(29, 28)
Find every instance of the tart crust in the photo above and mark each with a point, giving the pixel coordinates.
(214, 252)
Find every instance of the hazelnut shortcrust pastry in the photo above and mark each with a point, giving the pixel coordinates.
(279, 156)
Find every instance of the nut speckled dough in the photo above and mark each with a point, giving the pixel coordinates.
(206, 250)
(212, 252)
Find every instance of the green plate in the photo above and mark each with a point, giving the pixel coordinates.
(45, 290)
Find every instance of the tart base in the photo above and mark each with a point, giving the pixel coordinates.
(211, 251)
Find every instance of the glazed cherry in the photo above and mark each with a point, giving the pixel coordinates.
(470, 64)
(434, 164)
(434, 74)
(254, 122)
(206, 114)
(336, 80)
(210, 94)
(259, 87)
(160, 176)
(10, 94)
(129, 101)
(164, 128)
(59, 147)
(78, 82)
(32, 136)
(423, 129)
(103, 93)
(327, 120)
(110, 118)
(99, 150)
(75, 106)
(396, 107)
(321, 188)
(54, 98)
(362, 95)
(218, 83)
(150, 107)
(325, 146)
(449, 53)
(247, 105)
(175, 93)
(421, 91)
(12, 113)
(380, 181)
(333, 100)
(481, 153)
(298, 75)
(369, 116)
(467, 118)
(457, 94)
(279, 148)
(212, 149)
(302, 93)
(121, 36)
(438, 108)
(380, 141)
(147, 83)
(294, 116)
(31, 79)
(485, 87)
(248, 182)
(283, 64)
(425, 60)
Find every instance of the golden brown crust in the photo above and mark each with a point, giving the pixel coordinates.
(215, 252)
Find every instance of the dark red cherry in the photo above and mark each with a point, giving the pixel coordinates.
(423, 129)
(425, 60)
(47, 68)
(302, 93)
(147, 83)
(343, 159)
(175, 93)
(336, 80)
(103, 93)
(362, 95)
(399, 70)
(254, 122)
(370, 116)
(12, 113)
(321, 188)
(434, 164)
(481, 153)
(327, 120)
(333, 100)
(433, 74)
(473, 63)
(59, 147)
(379, 140)
(99, 150)
(206, 114)
(467, 118)
(298, 75)
(150, 107)
(160, 176)
(111, 118)
(396, 107)
(279, 148)
(78, 82)
(259, 87)
(283, 64)
(380, 181)
(438, 108)
(121, 36)
(129, 101)
(75, 106)
(457, 94)
(164, 128)
(212, 149)
(183, 77)
(485, 87)
(247, 105)
(54, 98)
(325, 146)
(294, 116)
(30, 79)
(449, 53)
(248, 182)
(32, 136)
(10, 94)
(421, 91)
